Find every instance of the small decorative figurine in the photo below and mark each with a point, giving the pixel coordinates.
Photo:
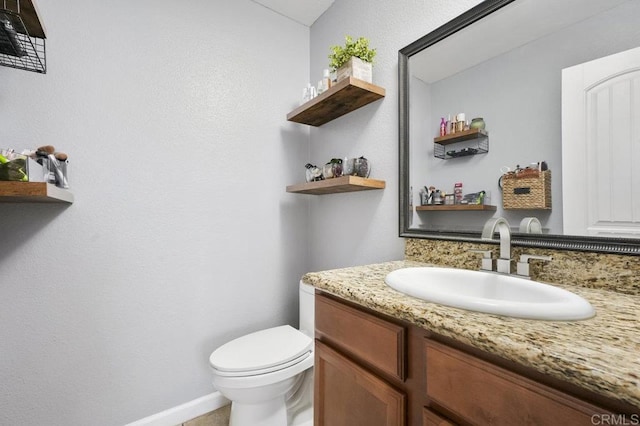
(313, 173)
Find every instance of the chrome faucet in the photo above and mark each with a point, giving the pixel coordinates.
(504, 261)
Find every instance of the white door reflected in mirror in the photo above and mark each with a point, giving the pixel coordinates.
(601, 146)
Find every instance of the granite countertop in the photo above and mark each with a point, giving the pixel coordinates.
(601, 354)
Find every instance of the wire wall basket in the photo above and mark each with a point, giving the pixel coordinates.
(22, 45)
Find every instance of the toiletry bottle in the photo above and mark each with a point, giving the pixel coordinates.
(326, 80)
(313, 92)
(437, 197)
(411, 198)
(431, 193)
(457, 191)
(443, 127)
(460, 122)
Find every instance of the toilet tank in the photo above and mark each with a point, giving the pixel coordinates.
(307, 309)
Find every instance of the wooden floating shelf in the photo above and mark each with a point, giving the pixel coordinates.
(342, 98)
(464, 135)
(33, 192)
(336, 185)
(29, 14)
(457, 207)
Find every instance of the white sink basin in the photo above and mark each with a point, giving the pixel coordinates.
(490, 293)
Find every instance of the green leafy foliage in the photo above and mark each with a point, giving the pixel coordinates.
(358, 48)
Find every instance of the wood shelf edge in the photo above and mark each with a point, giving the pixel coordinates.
(33, 192)
(457, 207)
(377, 91)
(337, 185)
(365, 85)
(460, 136)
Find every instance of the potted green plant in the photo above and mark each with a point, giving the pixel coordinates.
(354, 59)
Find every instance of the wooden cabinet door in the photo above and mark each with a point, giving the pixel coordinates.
(429, 418)
(348, 395)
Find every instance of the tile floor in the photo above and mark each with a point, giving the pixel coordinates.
(220, 417)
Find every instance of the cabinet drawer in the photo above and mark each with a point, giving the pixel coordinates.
(370, 339)
(482, 393)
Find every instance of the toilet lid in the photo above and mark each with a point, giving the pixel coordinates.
(262, 351)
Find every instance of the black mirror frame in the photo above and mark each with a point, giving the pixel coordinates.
(626, 246)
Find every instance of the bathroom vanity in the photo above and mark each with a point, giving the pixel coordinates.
(383, 358)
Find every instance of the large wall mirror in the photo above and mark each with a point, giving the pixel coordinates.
(532, 69)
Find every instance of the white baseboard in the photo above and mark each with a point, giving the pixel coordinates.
(184, 412)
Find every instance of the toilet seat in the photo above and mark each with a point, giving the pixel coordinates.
(261, 352)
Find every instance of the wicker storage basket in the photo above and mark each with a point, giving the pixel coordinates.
(527, 191)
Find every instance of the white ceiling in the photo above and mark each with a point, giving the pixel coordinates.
(304, 11)
(496, 34)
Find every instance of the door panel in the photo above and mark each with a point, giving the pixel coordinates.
(601, 146)
(348, 395)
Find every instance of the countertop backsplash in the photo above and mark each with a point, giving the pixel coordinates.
(612, 272)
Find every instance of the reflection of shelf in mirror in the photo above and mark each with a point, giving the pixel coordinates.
(335, 185)
(480, 137)
(457, 207)
(342, 98)
(33, 192)
(465, 135)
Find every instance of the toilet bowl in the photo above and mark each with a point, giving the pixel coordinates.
(268, 374)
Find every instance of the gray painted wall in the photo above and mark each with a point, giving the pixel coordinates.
(182, 235)
(360, 228)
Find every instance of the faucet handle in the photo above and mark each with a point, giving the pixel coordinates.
(522, 268)
(487, 261)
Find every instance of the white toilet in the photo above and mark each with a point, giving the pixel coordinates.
(268, 375)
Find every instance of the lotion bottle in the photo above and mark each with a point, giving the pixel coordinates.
(326, 80)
